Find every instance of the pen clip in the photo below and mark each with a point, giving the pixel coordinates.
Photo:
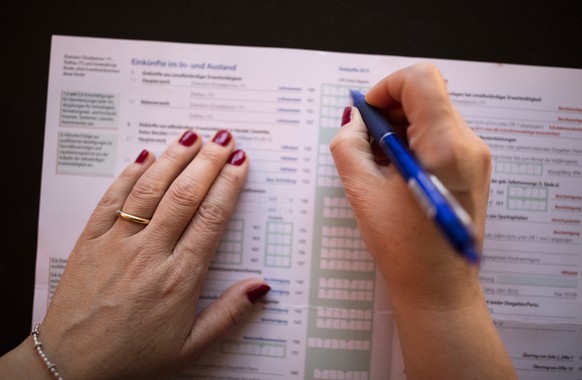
(464, 217)
(421, 197)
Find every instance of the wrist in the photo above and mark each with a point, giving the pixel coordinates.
(23, 362)
(432, 282)
(463, 302)
(458, 341)
(38, 347)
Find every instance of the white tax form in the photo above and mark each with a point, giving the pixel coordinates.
(328, 315)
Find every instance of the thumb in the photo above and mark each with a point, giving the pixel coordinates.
(224, 313)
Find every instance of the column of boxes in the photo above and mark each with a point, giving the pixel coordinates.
(334, 99)
(279, 243)
(230, 249)
(343, 249)
(326, 172)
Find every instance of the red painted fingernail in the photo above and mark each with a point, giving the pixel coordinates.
(188, 138)
(222, 137)
(237, 157)
(142, 156)
(256, 293)
(347, 116)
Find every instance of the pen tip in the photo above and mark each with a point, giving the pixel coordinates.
(355, 94)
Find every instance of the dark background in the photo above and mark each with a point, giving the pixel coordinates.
(528, 33)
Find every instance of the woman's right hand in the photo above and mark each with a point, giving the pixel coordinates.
(411, 253)
(440, 309)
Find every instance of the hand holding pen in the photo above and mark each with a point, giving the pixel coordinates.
(431, 194)
(394, 226)
(435, 291)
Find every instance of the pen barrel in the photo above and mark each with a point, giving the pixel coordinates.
(448, 216)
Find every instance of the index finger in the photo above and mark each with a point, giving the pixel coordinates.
(437, 133)
(419, 89)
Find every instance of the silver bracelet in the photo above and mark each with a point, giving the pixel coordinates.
(38, 347)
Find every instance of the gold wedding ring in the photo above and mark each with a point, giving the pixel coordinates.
(132, 218)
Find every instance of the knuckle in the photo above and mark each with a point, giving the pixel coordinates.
(484, 155)
(146, 189)
(173, 156)
(337, 144)
(109, 200)
(428, 70)
(485, 152)
(212, 215)
(211, 157)
(184, 192)
(472, 146)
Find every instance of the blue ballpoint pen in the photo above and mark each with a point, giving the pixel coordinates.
(432, 195)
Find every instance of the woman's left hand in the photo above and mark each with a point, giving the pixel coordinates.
(126, 303)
